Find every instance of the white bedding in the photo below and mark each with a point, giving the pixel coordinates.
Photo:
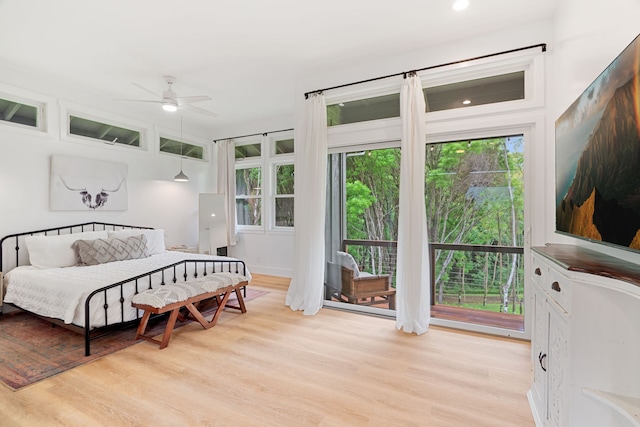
(60, 292)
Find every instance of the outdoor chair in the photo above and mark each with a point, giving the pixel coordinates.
(345, 282)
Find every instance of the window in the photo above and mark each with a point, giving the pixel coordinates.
(12, 111)
(103, 131)
(248, 151)
(365, 185)
(379, 107)
(487, 90)
(181, 148)
(474, 193)
(265, 182)
(283, 146)
(249, 196)
(457, 91)
(283, 202)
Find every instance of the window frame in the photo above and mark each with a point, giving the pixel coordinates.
(184, 140)
(268, 161)
(247, 163)
(68, 109)
(284, 160)
(31, 100)
(389, 129)
(525, 117)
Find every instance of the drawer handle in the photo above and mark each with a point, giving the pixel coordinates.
(541, 357)
(556, 286)
(537, 271)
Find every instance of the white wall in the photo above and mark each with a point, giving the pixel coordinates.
(266, 252)
(586, 40)
(154, 198)
(582, 41)
(271, 253)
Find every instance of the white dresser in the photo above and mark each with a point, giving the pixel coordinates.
(586, 339)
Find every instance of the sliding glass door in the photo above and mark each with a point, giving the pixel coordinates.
(475, 217)
(474, 197)
(363, 222)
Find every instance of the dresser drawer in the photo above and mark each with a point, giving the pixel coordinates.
(540, 272)
(558, 287)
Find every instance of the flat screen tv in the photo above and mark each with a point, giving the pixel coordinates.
(598, 157)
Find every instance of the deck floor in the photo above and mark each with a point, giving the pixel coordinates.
(513, 322)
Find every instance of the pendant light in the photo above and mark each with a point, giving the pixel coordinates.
(181, 177)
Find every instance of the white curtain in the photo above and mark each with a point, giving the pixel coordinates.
(307, 284)
(412, 277)
(227, 185)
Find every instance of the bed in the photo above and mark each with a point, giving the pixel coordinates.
(42, 275)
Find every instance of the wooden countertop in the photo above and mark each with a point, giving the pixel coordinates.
(576, 258)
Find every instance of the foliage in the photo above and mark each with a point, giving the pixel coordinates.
(248, 202)
(473, 195)
(284, 186)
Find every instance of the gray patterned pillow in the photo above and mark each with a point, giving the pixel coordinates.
(100, 251)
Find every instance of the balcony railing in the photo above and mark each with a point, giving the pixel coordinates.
(483, 277)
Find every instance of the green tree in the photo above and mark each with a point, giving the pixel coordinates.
(373, 213)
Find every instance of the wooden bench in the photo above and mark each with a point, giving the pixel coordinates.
(171, 298)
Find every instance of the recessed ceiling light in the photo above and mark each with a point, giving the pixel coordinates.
(460, 5)
(466, 102)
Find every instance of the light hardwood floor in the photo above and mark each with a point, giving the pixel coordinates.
(275, 367)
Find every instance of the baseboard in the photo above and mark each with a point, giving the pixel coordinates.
(270, 271)
(534, 410)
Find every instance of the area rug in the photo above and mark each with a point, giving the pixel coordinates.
(31, 349)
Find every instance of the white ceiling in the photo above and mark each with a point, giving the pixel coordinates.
(244, 54)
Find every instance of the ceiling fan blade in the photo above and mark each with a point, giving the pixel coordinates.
(190, 99)
(198, 110)
(139, 100)
(147, 90)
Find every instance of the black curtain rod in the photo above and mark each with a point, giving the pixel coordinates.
(253, 134)
(542, 46)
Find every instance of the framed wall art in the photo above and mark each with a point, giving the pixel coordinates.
(87, 184)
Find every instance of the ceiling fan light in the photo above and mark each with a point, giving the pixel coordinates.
(181, 177)
(169, 107)
(460, 5)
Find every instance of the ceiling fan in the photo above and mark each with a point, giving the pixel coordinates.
(170, 100)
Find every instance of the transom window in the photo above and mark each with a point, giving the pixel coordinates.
(248, 151)
(103, 131)
(487, 90)
(283, 146)
(181, 148)
(15, 112)
(361, 110)
(461, 94)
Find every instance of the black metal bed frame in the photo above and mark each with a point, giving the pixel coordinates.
(138, 283)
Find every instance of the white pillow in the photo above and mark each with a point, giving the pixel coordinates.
(346, 260)
(56, 251)
(155, 238)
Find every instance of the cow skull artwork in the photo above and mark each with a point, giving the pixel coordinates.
(87, 184)
(101, 197)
